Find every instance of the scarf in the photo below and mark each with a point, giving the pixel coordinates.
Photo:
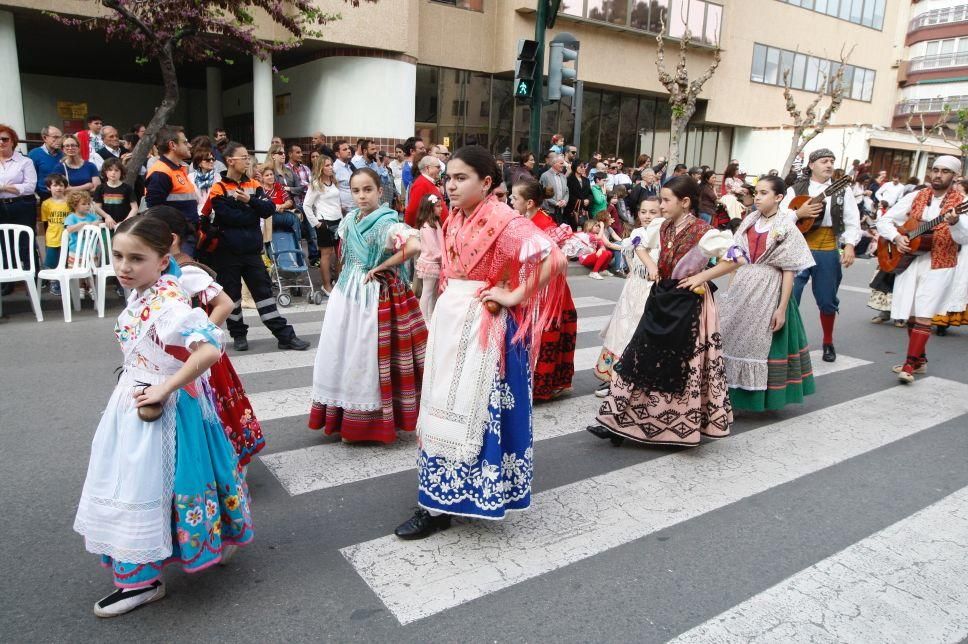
(204, 180)
(944, 250)
(469, 237)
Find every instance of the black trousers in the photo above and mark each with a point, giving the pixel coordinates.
(24, 212)
(231, 269)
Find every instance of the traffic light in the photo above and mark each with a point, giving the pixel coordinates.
(563, 49)
(526, 69)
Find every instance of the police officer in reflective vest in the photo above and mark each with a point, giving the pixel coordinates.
(238, 204)
(167, 182)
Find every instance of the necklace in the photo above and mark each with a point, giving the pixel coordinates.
(676, 229)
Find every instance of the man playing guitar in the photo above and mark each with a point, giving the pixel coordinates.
(921, 291)
(839, 222)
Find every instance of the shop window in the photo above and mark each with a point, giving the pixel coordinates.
(470, 5)
(592, 104)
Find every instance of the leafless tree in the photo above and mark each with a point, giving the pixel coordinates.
(807, 125)
(921, 136)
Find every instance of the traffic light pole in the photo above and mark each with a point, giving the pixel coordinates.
(537, 96)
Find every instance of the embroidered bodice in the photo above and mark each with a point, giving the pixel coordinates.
(673, 247)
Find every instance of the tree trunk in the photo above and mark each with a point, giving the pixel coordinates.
(160, 119)
(795, 148)
(678, 129)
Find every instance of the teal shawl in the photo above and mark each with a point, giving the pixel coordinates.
(364, 246)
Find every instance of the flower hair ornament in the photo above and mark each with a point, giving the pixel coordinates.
(433, 199)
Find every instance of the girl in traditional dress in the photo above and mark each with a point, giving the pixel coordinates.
(427, 265)
(764, 343)
(670, 385)
(641, 251)
(227, 392)
(163, 484)
(556, 354)
(369, 364)
(504, 280)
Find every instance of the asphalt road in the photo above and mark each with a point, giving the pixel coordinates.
(840, 520)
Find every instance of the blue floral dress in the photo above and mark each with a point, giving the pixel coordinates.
(167, 491)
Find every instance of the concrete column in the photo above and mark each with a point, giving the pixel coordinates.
(11, 98)
(213, 89)
(262, 106)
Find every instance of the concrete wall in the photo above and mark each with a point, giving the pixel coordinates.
(342, 94)
(120, 104)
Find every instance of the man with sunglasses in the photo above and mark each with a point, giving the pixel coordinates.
(47, 157)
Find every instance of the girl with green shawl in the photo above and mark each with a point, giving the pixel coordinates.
(369, 364)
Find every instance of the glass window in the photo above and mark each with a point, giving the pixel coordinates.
(640, 15)
(572, 7)
(878, 14)
(856, 88)
(772, 63)
(932, 47)
(502, 114)
(696, 19)
(786, 67)
(628, 128)
(868, 86)
(707, 154)
(612, 11)
(832, 79)
(426, 95)
(646, 125)
(724, 144)
(821, 6)
(810, 80)
(849, 75)
(714, 17)
(608, 137)
(658, 15)
(947, 46)
(566, 120)
(799, 69)
(868, 19)
(472, 5)
(823, 69)
(677, 14)
(844, 13)
(663, 123)
(807, 4)
(856, 11)
(759, 63)
(591, 108)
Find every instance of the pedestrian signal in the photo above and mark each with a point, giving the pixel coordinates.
(526, 70)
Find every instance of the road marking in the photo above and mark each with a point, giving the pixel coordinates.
(418, 579)
(821, 368)
(257, 331)
(262, 362)
(281, 403)
(905, 583)
(319, 467)
(587, 358)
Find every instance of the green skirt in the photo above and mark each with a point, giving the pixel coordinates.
(789, 372)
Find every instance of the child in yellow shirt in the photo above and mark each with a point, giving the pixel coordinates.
(52, 213)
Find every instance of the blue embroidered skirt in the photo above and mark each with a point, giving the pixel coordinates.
(500, 479)
(210, 504)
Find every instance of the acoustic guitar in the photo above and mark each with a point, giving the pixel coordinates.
(812, 223)
(920, 235)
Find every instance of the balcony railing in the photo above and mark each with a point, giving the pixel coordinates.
(939, 17)
(938, 61)
(931, 105)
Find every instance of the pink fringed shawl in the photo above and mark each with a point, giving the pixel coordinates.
(486, 246)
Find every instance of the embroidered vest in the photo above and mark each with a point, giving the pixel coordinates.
(944, 250)
(802, 187)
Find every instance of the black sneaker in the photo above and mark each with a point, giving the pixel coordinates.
(125, 600)
(240, 343)
(421, 525)
(294, 343)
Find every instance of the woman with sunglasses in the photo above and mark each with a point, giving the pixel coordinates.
(80, 174)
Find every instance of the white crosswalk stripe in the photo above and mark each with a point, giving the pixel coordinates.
(903, 584)
(418, 579)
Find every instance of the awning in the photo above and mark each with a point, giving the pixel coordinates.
(928, 146)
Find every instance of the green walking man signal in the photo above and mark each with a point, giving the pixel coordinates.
(526, 71)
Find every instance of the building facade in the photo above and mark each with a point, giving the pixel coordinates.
(443, 69)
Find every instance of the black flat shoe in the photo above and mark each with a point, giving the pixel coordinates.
(942, 331)
(829, 354)
(294, 343)
(602, 432)
(421, 525)
(240, 344)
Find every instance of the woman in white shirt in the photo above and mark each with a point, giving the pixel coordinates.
(322, 209)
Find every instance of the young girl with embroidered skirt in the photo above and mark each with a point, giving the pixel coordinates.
(503, 284)
(225, 387)
(163, 484)
(669, 387)
(555, 365)
(369, 364)
(764, 343)
(641, 251)
(427, 266)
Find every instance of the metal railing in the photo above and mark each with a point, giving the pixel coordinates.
(938, 61)
(939, 17)
(931, 105)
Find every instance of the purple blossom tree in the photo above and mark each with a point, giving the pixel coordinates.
(186, 31)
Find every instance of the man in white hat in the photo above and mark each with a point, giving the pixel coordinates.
(839, 223)
(921, 291)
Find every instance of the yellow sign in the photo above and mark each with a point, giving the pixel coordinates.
(446, 141)
(68, 110)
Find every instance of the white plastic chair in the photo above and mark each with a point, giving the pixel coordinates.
(88, 243)
(15, 270)
(104, 269)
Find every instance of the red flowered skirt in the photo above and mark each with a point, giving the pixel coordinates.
(402, 341)
(235, 411)
(556, 356)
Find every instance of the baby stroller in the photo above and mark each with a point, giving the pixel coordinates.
(289, 270)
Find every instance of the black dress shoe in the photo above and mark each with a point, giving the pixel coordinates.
(942, 331)
(294, 343)
(599, 431)
(829, 354)
(240, 344)
(421, 525)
